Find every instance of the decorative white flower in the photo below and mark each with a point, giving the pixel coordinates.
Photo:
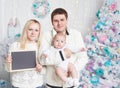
(40, 8)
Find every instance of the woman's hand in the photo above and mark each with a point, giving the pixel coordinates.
(38, 67)
(9, 58)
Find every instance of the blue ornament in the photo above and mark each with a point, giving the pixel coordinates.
(4, 84)
(110, 2)
(93, 38)
(90, 52)
(106, 51)
(94, 80)
(108, 63)
(98, 14)
(17, 35)
(99, 25)
(99, 72)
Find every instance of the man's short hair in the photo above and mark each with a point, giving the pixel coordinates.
(59, 11)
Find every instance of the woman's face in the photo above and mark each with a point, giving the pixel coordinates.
(33, 32)
(59, 23)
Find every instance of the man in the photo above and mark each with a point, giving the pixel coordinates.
(74, 42)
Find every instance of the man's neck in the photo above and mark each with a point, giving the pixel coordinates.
(63, 32)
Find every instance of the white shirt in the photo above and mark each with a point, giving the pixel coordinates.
(74, 42)
(27, 78)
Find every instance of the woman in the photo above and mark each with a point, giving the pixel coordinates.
(29, 41)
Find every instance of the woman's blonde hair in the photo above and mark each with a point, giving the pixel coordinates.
(23, 37)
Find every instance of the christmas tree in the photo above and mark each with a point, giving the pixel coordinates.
(103, 49)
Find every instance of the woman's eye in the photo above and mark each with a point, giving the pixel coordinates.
(33, 29)
(30, 29)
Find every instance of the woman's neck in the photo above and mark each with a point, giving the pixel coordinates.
(30, 41)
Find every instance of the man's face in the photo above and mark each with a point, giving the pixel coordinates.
(59, 23)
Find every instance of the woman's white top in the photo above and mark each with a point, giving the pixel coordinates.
(26, 78)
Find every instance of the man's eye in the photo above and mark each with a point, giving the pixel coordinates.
(62, 19)
(36, 30)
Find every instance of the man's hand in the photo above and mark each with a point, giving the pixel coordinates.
(68, 53)
(83, 49)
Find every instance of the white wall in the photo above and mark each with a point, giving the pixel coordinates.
(81, 15)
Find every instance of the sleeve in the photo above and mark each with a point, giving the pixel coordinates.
(48, 60)
(7, 67)
(43, 70)
(81, 57)
(45, 40)
(80, 41)
(81, 60)
(52, 58)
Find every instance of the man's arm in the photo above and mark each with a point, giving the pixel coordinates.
(81, 57)
(81, 60)
(49, 57)
(50, 60)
